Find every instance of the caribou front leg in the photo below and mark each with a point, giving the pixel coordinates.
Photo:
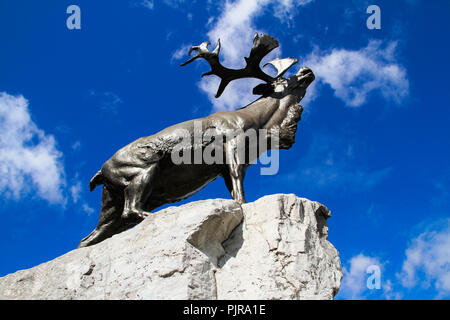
(236, 171)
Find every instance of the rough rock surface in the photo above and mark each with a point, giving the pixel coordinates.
(201, 250)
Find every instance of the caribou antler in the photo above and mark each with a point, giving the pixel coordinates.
(262, 45)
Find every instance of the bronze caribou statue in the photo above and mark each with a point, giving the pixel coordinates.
(143, 176)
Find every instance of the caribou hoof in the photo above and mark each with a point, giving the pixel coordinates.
(135, 215)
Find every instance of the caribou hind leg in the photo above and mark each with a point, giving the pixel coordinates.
(110, 218)
(137, 193)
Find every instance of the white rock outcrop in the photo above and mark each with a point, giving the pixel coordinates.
(200, 250)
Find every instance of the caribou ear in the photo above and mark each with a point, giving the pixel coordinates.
(281, 65)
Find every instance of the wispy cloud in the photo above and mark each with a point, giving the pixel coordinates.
(76, 192)
(107, 101)
(30, 162)
(176, 3)
(76, 146)
(427, 262)
(87, 209)
(180, 53)
(335, 164)
(355, 74)
(148, 4)
(285, 10)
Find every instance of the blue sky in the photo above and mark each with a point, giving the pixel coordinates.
(373, 144)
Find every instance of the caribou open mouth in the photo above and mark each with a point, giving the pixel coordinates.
(305, 76)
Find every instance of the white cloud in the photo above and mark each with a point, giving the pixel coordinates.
(87, 209)
(427, 261)
(427, 266)
(355, 74)
(237, 94)
(352, 74)
(75, 191)
(149, 4)
(285, 10)
(235, 27)
(29, 159)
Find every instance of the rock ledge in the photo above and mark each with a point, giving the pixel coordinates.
(200, 250)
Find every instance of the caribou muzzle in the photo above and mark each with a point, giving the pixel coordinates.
(305, 77)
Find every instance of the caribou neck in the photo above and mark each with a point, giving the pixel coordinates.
(269, 112)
